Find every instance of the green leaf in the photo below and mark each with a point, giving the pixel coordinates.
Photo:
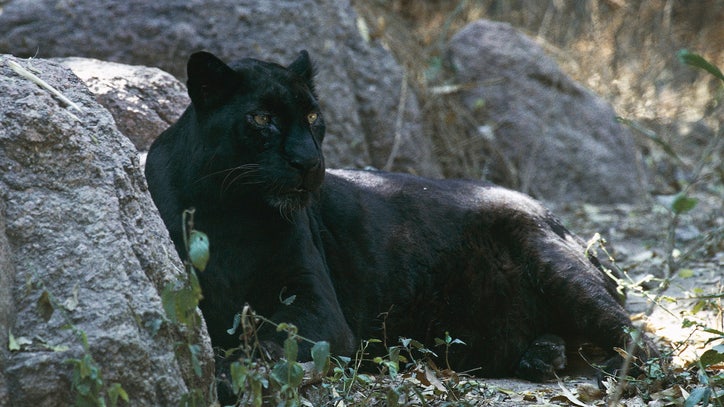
(392, 367)
(296, 374)
(72, 303)
(168, 299)
(365, 379)
(696, 60)
(687, 323)
(320, 356)
(115, 392)
(85, 366)
(45, 306)
(235, 324)
(256, 392)
(291, 349)
(288, 373)
(698, 306)
(195, 286)
(683, 203)
(394, 352)
(57, 348)
(194, 351)
(22, 341)
(83, 389)
(713, 356)
(153, 326)
(287, 327)
(686, 273)
(186, 302)
(714, 331)
(239, 373)
(199, 249)
(180, 303)
(703, 377)
(417, 344)
(84, 341)
(13, 345)
(289, 300)
(699, 394)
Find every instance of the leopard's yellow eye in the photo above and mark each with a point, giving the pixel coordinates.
(262, 119)
(312, 117)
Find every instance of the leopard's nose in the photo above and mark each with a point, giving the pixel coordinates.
(302, 151)
(305, 165)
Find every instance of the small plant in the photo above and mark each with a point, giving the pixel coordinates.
(408, 375)
(347, 371)
(254, 373)
(88, 380)
(405, 370)
(447, 342)
(180, 299)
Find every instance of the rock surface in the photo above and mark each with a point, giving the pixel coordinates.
(563, 141)
(143, 101)
(359, 82)
(81, 245)
(7, 309)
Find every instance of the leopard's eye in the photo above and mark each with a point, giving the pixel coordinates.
(312, 117)
(262, 119)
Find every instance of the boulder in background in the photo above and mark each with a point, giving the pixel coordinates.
(562, 140)
(143, 101)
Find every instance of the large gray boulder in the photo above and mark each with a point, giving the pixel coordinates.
(563, 142)
(82, 253)
(359, 82)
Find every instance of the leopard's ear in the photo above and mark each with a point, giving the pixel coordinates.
(304, 68)
(210, 80)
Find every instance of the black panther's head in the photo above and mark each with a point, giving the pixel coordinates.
(258, 128)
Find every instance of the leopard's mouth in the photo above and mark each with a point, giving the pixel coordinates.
(295, 195)
(299, 193)
(291, 200)
(294, 192)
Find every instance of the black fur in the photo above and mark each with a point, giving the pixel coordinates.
(491, 266)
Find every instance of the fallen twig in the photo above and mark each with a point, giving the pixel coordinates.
(43, 84)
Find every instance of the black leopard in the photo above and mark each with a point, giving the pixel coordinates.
(366, 253)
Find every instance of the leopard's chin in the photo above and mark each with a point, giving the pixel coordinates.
(291, 201)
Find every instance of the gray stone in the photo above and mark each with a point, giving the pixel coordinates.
(563, 141)
(143, 101)
(359, 82)
(80, 236)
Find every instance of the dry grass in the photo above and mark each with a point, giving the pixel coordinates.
(624, 50)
